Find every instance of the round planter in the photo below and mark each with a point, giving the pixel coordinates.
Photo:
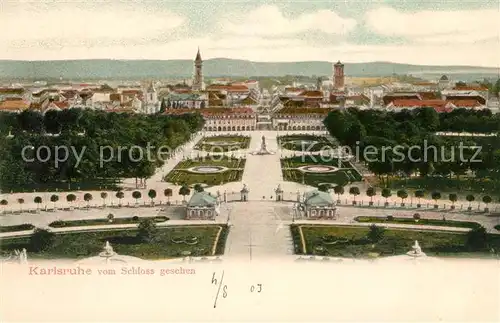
(354, 202)
(436, 206)
(386, 204)
(469, 208)
(419, 205)
(453, 207)
(402, 204)
(370, 203)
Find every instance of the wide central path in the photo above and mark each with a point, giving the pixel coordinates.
(257, 231)
(263, 172)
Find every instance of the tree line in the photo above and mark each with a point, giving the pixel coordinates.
(91, 129)
(359, 129)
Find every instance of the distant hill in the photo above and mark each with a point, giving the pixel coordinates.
(218, 67)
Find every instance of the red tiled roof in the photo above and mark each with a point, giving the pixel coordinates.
(114, 97)
(300, 110)
(418, 103)
(470, 88)
(14, 105)
(312, 94)
(465, 103)
(69, 94)
(61, 105)
(229, 88)
(11, 91)
(478, 98)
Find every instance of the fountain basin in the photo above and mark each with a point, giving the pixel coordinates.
(207, 169)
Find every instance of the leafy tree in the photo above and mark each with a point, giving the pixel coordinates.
(198, 188)
(386, 193)
(136, 195)
(104, 196)
(147, 231)
(487, 200)
(4, 203)
(354, 191)
(120, 195)
(41, 240)
(339, 190)
(371, 192)
(453, 198)
(375, 233)
(38, 201)
(21, 202)
(168, 193)
(477, 239)
(54, 198)
(419, 194)
(87, 198)
(184, 191)
(152, 194)
(470, 198)
(71, 198)
(402, 194)
(436, 196)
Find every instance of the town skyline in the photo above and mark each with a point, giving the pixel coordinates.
(259, 31)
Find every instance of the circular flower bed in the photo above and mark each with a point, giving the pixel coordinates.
(191, 240)
(177, 240)
(318, 169)
(207, 169)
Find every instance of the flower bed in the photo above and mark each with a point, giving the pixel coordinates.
(15, 228)
(104, 221)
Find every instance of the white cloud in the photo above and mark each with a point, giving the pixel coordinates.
(436, 26)
(269, 20)
(32, 25)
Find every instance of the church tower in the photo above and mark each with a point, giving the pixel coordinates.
(198, 84)
(338, 76)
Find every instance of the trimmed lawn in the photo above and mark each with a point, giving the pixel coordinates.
(352, 242)
(181, 175)
(105, 221)
(211, 143)
(188, 178)
(346, 174)
(294, 142)
(77, 245)
(436, 222)
(19, 227)
(223, 161)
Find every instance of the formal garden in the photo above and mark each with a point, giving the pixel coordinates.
(208, 170)
(304, 142)
(314, 170)
(219, 144)
(146, 242)
(376, 241)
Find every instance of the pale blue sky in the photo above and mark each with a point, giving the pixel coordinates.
(420, 32)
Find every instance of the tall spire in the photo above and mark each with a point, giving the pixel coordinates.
(198, 56)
